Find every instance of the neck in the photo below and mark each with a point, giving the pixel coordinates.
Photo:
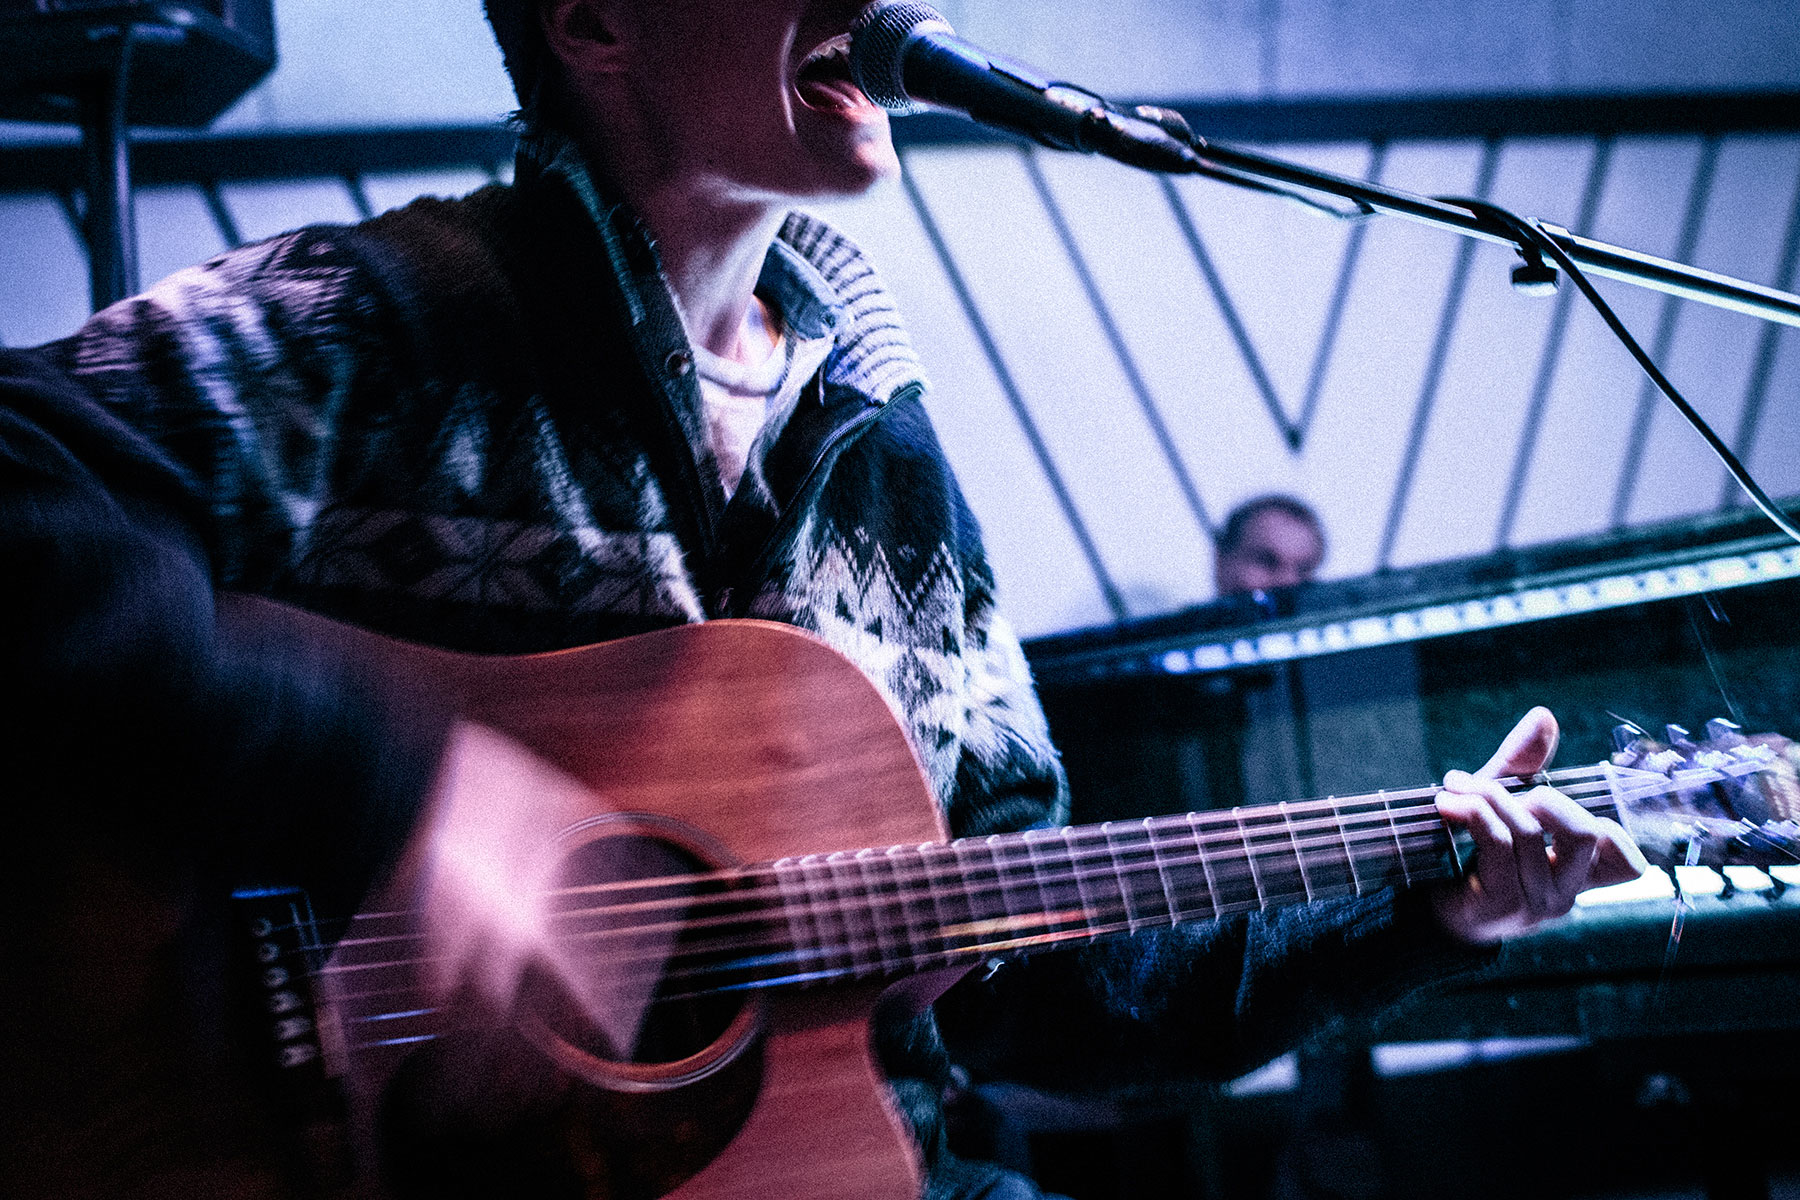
(710, 239)
(712, 254)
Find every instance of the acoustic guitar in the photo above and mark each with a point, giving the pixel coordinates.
(735, 769)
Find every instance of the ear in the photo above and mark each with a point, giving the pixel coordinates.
(584, 35)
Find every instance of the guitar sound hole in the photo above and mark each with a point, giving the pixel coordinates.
(646, 942)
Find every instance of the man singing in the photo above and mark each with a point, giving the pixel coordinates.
(632, 390)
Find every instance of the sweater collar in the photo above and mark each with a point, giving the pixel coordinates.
(817, 278)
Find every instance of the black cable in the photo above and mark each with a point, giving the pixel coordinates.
(1533, 242)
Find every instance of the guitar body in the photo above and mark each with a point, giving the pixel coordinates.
(760, 742)
(696, 749)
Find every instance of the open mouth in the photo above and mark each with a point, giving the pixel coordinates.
(823, 79)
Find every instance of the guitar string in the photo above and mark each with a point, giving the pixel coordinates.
(866, 898)
(986, 876)
(912, 955)
(900, 874)
(1108, 922)
(1266, 813)
(980, 878)
(904, 933)
(911, 959)
(1271, 829)
(860, 940)
(1220, 817)
(902, 868)
(1273, 835)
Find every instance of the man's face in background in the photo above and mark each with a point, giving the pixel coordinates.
(1277, 549)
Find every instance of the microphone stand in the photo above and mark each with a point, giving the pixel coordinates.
(1259, 171)
(1159, 139)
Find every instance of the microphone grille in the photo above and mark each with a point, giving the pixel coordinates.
(878, 39)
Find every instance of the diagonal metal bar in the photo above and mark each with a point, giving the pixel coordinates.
(359, 195)
(222, 219)
(1334, 314)
(1434, 366)
(1587, 210)
(1184, 220)
(72, 205)
(1115, 600)
(1756, 394)
(1116, 339)
(1648, 395)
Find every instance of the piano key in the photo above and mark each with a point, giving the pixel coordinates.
(1749, 879)
(1700, 881)
(1651, 885)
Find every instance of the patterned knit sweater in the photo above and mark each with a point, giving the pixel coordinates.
(475, 424)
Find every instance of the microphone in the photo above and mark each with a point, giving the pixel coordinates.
(906, 58)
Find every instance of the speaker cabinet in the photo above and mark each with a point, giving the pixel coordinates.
(191, 59)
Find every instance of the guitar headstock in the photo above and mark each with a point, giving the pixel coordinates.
(1728, 798)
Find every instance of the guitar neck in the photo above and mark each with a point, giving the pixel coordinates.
(904, 908)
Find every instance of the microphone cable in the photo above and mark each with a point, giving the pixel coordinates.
(1534, 242)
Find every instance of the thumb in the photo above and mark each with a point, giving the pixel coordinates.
(1527, 748)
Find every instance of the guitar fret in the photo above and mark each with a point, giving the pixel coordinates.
(986, 903)
(1183, 877)
(1012, 898)
(905, 865)
(1096, 916)
(1337, 813)
(803, 926)
(1216, 909)
(1370, 842)
(1299, 854)
(950, 901)
(852, 906)
(1162, 870)
(827, 910)
(1405, 871)
(1283, 876)
(1065, 906)
(882, 905)
(1262, 900)
(1328, 868)
(1140, 887)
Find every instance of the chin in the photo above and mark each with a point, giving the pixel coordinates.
(865, 173)
(848, 161)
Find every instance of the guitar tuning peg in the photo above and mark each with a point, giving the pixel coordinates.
(1720, 732)
(1624, 735)
(1678, 738)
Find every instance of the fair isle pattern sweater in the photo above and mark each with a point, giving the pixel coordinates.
(476, 424)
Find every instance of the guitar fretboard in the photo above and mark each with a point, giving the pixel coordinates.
(905, 907)
(888, 911)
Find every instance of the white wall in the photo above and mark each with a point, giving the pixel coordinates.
(1248, 48)
(409, 62)
(403, 62)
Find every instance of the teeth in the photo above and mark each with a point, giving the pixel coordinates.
(838, 46)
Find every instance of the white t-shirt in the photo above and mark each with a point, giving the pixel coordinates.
(739, 398)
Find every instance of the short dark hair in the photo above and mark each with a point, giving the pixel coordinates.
(522, 47)
(1231, 533)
